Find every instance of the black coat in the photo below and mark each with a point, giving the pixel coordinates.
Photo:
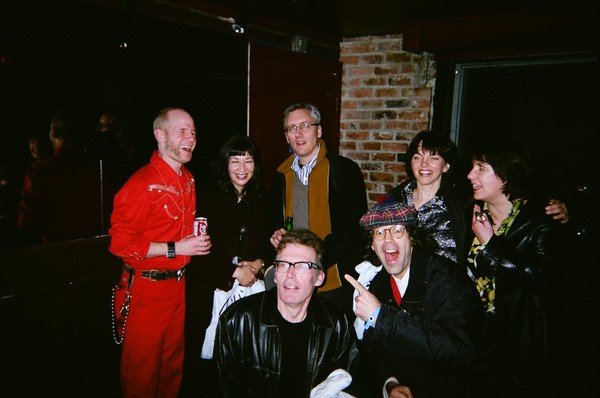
(513, 353)
(206, 273)
(226, 216)
(428, 343)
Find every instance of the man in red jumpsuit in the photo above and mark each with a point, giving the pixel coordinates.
(151, 230)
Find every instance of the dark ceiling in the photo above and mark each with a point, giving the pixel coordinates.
(322, 21)
(83, 30)
(50, 41)
(350, 18)
(325, 22)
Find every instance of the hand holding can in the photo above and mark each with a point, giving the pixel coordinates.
(200, 226)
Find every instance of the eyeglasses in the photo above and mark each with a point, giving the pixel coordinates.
(301, 267)
(397, 231)
(304, 126)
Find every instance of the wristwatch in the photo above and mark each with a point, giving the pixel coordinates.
(171, 250)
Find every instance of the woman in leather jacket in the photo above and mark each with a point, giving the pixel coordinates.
(513, 252)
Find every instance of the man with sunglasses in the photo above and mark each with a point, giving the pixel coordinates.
(285, 341)
(417, 313)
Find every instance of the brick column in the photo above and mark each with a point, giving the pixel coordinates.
(386, 99)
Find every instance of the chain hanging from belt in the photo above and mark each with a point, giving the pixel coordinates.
(119, 315)
(121, 296)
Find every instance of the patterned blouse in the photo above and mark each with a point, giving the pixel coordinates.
(434, 219)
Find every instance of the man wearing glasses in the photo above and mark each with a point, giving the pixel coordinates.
(285, 341)
(417, 313)
(323, 192)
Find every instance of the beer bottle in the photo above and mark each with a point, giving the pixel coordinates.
(289, 223)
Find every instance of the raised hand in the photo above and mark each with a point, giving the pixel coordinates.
(276, 237)
(558, 210)
(366, 302)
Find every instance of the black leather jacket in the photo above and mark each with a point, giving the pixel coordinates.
(247, 347)
(513, 352)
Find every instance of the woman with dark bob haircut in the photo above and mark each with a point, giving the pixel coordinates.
(431, 159)
(514, 250)
(235, 205)
(512, 164)
(238, 145)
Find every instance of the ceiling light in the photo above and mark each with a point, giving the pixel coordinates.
(238, 28)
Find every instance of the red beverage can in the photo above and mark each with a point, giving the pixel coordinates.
(200, 226)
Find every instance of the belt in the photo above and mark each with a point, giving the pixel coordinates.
(156, 274)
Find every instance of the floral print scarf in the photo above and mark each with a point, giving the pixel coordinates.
(485, 279)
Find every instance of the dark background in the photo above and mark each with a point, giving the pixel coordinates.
(61, 54)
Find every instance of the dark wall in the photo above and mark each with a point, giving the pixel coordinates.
(56, 336)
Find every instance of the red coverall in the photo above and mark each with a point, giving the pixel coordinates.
(155, 205)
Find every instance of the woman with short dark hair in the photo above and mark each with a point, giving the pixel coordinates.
(514, 251)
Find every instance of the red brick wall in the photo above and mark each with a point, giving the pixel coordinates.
(386, 99)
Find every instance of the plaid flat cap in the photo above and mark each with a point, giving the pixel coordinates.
(390, 213)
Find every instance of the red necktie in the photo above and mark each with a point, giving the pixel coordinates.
(397, 295)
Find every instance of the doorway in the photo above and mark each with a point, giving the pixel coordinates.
(279, 78)
(551, 106)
